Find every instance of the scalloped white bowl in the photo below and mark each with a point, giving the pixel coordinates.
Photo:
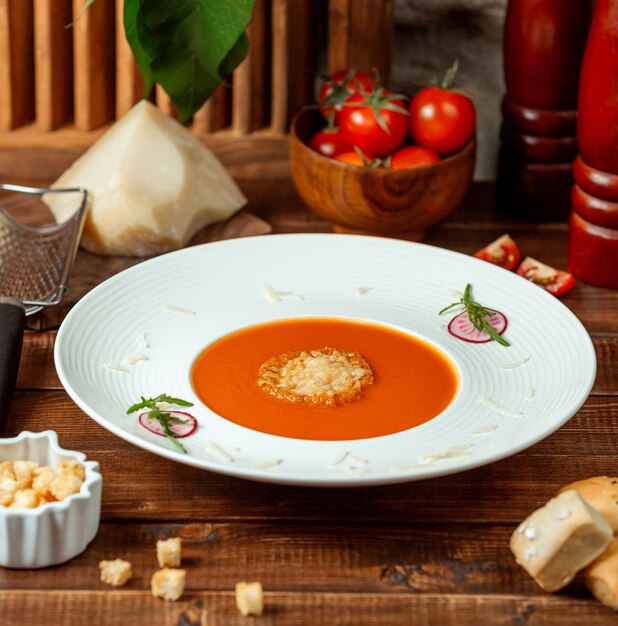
(55, 532)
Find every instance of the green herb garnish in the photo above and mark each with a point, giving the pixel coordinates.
(477, 314)
(164, 418)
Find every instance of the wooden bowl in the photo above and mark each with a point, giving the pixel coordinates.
(395, 203)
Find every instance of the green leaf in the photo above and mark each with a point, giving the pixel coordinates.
(189, 45)
(170, 400)
(234, 57)
(141, 58)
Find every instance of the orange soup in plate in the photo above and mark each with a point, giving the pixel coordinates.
(403, 381)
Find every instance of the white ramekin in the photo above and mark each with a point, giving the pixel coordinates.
(57, 531)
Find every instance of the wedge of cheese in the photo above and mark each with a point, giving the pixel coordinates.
(152, 186)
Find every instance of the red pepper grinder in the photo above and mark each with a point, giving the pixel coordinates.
(544, 43)
(593, 232)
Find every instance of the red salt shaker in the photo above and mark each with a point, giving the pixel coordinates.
(543, 47)
(593, 232)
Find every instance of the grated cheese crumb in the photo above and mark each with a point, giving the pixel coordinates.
(219, 453)
(134, 358)
(114, 367)
(529, 393)
(410, 468)
(512, 366)
(339, 457)
(492, 404)
(268, 464)
(179, 309)
(143, 343)
(274, 294)
(358, 459)
(484, 429)
(449, 453)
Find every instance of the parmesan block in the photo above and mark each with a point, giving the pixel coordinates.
(601, 576)
(152, 186)
(559, 539)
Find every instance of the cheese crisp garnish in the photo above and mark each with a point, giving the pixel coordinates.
(328, 377)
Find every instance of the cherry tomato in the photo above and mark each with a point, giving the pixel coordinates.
(441, 119)
(376, 123)
(354, 158)
(555, 281)
(328, 142)
(503, 252)
(339, 87)
(413, 156)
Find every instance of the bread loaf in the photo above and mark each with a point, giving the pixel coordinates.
(600, 492)
(559, 539)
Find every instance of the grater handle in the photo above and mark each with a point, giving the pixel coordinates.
(12, 320)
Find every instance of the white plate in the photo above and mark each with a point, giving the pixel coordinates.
(498, 411)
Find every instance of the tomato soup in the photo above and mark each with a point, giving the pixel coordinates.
(413, 381)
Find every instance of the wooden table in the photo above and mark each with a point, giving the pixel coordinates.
(433, 552)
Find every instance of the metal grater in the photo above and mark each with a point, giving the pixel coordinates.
(35, 263)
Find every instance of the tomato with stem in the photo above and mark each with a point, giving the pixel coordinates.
(376, 122)
(338, 87)
(442, 119)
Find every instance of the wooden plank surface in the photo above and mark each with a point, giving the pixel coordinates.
(17, 66)
(433, 552)
(119, 608)
(53, 63)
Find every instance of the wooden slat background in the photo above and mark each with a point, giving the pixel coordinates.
(53, 64)
(61, 88)
(16, 63)
(86, 74)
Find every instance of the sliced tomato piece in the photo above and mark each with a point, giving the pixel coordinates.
(555, 281)
(503, 252)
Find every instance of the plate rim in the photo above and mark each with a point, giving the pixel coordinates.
(325, 481)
